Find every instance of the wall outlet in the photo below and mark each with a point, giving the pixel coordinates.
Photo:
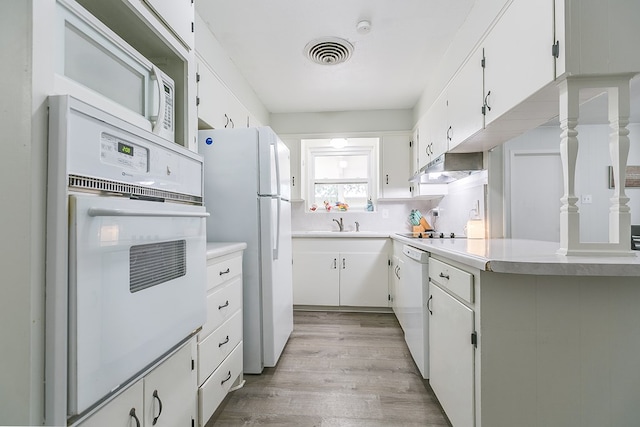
(385, 213)
(586, 199)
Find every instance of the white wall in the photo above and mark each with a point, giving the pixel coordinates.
(463, 196)
(387, 217)
(342, 122)
(23, 120)
(591, 173)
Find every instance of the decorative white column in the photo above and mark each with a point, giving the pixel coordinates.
(617, 87)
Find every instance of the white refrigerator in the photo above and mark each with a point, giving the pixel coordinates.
(247, 194)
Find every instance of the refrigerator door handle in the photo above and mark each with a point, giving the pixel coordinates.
(276, 160)
(276, 249)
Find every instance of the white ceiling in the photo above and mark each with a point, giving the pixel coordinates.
(389, 67)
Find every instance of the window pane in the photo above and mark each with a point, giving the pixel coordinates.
(339, 167)
(353, 194)
(325, 192)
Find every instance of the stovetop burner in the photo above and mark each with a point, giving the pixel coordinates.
(430, 235)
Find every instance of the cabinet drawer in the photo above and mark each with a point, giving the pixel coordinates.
(222, 303)
(219, 272)
(214, 348)
(214, 390)
(458, 282)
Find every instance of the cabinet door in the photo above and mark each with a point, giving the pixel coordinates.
(121, 411)
(439, 123)
(364, 279)
(465, 96)
(394, 279)
(294, 152)
(518, 56)
(425, 142)
(396, 155)
(212, 97)
(170, 390)
(316, 278)
(451, 356)
(415, 161)
(179, 17)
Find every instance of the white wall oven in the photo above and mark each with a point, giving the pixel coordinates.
(126, 255)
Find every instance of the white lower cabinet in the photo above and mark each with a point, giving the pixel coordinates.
(213, 391)
(452, 341)
(316, 277)
(165, 397)
(220, 340)
(451, 356)
(341, 272)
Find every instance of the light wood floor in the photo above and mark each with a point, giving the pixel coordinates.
(338, 369)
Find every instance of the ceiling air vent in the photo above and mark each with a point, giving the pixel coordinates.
(328, 50)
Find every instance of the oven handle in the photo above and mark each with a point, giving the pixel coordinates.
(125, 212)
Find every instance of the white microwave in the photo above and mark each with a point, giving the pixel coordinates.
(95, 65)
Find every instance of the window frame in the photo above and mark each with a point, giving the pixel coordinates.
(313, 147)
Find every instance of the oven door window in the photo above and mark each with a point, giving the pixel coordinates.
(156, 263)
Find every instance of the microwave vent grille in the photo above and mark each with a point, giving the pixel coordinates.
(86, 183)
(156, 263)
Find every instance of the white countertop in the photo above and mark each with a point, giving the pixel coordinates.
(525, 257)
(342, 234)
(216, 249)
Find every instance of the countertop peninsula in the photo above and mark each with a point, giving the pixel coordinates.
(516, 256)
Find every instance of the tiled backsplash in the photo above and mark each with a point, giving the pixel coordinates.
(454, 210)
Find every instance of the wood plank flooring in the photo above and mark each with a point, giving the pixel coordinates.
(338, 369)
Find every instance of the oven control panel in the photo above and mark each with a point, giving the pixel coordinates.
(124, 154)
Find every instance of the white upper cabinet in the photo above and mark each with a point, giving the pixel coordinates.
(518, 55)
(465, 96)
(211, 96)
(395, 166)
(294, 154)
(433, 128)
(218, 108)
(178, 15)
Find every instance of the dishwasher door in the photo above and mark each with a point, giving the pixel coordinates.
(412, 295)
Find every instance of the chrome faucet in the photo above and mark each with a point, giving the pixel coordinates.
(357, 226)
(340, 224)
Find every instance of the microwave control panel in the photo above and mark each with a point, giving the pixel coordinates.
(124, 154)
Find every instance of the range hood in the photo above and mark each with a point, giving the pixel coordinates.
(449, 167)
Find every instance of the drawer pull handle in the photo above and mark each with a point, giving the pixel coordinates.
(223, 342)
(225, 272)
(226, 379)
(155, 396)
(132, 413)
(429, 305)
(446, 276)
(226, 304)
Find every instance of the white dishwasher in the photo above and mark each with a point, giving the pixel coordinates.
(412, 294)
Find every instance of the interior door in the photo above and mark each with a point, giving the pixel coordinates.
(535, 202)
